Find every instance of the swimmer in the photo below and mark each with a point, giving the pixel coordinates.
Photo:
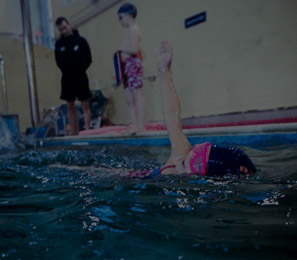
(131, 59)
(201, 159)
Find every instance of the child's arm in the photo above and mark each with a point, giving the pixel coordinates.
(180, 146)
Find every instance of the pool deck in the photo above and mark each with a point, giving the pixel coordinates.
(250, 128)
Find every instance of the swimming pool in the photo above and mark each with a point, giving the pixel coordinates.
(56, 203)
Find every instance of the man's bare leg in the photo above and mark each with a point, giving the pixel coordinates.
(72, 117)
(180, 145)
(87, 113)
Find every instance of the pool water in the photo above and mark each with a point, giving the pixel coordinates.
(70, 203)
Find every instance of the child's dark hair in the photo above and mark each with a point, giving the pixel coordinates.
(60, 20)
(128, 8)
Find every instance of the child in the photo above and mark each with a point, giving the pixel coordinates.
(132, 67)
(202, 159)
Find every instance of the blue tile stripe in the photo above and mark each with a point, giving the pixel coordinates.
(236, 140)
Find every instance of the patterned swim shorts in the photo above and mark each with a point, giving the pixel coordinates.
(133, 71)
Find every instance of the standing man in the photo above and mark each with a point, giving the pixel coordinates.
(73, 57)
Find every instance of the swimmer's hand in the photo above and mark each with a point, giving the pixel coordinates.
(165, 57)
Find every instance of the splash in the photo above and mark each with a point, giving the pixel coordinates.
(6, 142)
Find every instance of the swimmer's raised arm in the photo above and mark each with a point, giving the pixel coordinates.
(203, 158)
(164, 57)
(180, 145)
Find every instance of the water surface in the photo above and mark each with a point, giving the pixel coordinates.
(69, 203)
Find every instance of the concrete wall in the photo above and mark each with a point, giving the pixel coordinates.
(47, 77)
(243, 58)
(10, 17)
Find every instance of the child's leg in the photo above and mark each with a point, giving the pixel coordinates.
(132, 109)
(140, 109)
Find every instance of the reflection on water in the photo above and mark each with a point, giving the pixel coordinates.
(71, 204)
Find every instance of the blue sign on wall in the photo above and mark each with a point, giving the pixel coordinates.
(196, 19)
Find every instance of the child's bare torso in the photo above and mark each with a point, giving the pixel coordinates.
(130, 44)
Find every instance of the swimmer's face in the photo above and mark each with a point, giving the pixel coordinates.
(187, 160)
(184, 166)
(65, 29)
(124, 19)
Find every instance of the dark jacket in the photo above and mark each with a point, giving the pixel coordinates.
(73, 54)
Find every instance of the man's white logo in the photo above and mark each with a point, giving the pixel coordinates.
(76, 47)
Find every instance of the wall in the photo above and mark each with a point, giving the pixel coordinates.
(10, 17)
(242, 58)
(47, 77)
